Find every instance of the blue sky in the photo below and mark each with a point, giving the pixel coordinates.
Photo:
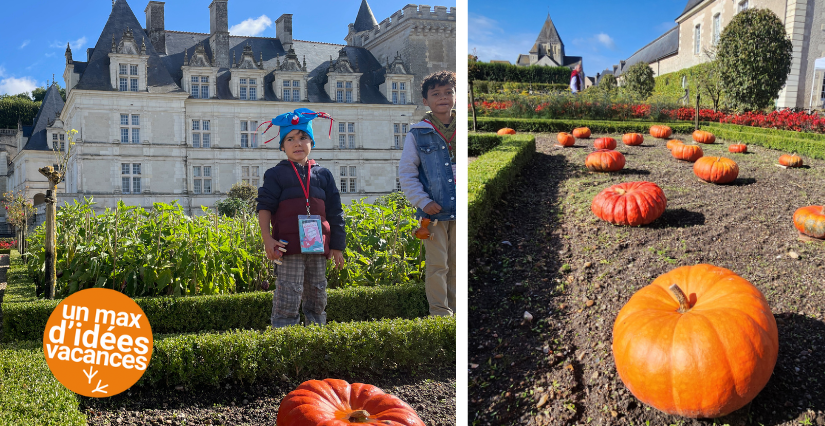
(34, 40)
(602, 32)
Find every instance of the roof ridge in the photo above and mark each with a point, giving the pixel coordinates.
(654, 41)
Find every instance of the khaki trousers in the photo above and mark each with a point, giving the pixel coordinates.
(440, 261)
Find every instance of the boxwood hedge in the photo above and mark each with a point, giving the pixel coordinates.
(782, 140)
(27, 320)
(540, 125)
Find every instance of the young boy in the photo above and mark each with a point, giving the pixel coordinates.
(300, 187)
(427, 172)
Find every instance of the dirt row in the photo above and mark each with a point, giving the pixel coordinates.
(550, 256)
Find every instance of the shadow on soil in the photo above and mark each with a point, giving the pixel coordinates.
(678, 218)
(743, 182)
(798, 381)
(634, 172)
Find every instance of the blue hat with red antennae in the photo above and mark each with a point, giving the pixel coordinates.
(300, 119)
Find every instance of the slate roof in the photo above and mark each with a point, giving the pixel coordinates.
(666, 45)
(365, 20)
(165, 70)
(49, 110)
(690, 5)
(96, 75)
(548, 34)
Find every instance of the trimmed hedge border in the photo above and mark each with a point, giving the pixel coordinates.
(301, 352)
(27, 320)
(478, 144)
(766, 131)
(543, 125)
(805, 146)
(492, 173)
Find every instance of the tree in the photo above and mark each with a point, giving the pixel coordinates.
(18, 212)
(472, 65)
(39, 93)
(708, 77)
(639, 80)
(608, 83)
(240, 199)
(754, 56)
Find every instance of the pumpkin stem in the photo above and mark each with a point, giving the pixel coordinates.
(620, 191)
(680, 297)
(358, 416)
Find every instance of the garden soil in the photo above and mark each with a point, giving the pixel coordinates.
(547, 254)
(431, 394)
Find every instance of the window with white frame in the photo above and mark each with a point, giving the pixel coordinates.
(59, 141)
(717, 28)
(343, 91)
(248, 89)
(202, 179)
(697, 35)
(743, 5)
(348, 180)
(399, 93)
(201, 134)
(200, 86)
(292, 91)
(346, 135)
(129, 128)
(251, 175)
(130, 178)
(128, 78)
(400, 132)
(249, 134)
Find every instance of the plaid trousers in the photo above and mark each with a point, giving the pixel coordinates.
(301, 276)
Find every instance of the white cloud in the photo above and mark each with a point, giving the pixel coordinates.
(77, 44)
(491, 42)
(251, 27)
(2, 72)
(13, 86)
(25, 43)
(606, 40)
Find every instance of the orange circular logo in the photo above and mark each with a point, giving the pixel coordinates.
(97, 342)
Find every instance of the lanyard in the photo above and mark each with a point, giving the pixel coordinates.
(452, 154)
(300, 181)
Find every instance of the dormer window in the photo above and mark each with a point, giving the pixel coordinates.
(399, 93)
(128, 78)
(343, 91)
(248, 88)
(292, 90)
(61, 140)
(200, 86)
(127, 63)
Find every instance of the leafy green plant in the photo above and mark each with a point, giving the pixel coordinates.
(638, 79)
(754, 55)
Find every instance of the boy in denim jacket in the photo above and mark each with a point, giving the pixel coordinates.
(427, 172)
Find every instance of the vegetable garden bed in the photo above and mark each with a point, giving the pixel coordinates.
(549, 255)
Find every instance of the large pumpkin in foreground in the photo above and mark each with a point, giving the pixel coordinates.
(686, 152)
(581, 133)
(604, 160)
(604, 143)
(506, 131)
(703, 357)
(810, 221)
(702, 136)
(716, 169)
(565, 139)
(337, 403)
(790, 160)
(661, 132)
(633, 139)
(630, 203)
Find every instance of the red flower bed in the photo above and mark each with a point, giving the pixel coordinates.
(7, 245)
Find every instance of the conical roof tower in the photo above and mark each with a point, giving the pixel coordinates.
(365, 20)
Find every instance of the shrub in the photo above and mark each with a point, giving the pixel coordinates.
(491, 174)
(565, 125)
(13, 108)
(478, 144)
(27, 320)
(754, 54)
(639, 80)
(532, 74)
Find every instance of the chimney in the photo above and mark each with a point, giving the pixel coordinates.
(283, 30)
(155, 26)
(219, 33)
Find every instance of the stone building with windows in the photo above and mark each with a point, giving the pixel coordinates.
(165, 115)
(700, 24)
(548, 50)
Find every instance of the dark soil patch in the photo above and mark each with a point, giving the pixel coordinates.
(431, 394)
(549, 255)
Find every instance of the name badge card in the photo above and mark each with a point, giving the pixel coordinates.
(312, 239)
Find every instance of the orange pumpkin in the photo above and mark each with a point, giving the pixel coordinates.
(790, 160)
(702, 136)
(661, 132)
(506, 131)
(581, 133)
(673, 142)
(605, 160)
(716, 169)
(630, 203)
(738, 148)
(605, 143)
(633, 139)
(336, 402)
(810, 221)
(703, 349)
(565, 139)
(687, 152)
